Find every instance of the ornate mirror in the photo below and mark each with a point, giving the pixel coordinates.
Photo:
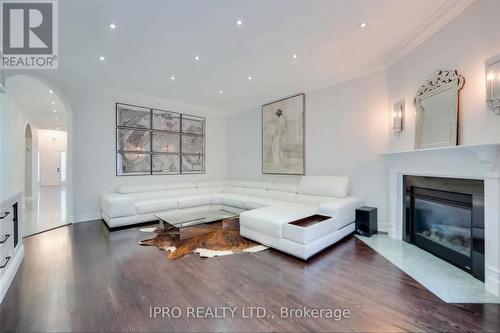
(437, 110)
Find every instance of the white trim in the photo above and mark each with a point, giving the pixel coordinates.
(85, 217)
(442, 16)
(493, 280)
(11, 271)
(128, 96)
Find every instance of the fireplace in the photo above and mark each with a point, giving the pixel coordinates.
(445, 216)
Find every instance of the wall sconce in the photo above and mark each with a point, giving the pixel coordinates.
(493, 85)
(398, 114)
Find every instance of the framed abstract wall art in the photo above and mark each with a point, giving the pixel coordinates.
(283, 136)
(157, 142)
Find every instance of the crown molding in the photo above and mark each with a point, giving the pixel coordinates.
(443, 15)
(126, 96)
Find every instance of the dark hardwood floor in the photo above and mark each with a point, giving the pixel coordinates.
(83, 278)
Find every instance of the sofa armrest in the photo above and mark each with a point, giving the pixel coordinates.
(343, 209)
(117, 205)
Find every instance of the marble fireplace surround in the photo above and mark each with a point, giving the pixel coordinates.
(481, 162)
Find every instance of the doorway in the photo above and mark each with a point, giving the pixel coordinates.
(48, 211)
(50, 168)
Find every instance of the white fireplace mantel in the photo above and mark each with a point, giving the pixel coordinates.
(481, 161)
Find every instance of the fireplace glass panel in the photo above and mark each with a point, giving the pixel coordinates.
(447, 225)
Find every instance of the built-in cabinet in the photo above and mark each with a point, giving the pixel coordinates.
(8, 235)
(11, 249)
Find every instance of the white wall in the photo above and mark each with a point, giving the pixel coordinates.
(12, 130)
(464, 44)
(94, 145)
(346, 127)
(52, 140)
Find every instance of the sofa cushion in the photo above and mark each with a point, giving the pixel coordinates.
(280, 195)
(252, 191)
(176, 186)
(232, 189)
(210, 190)
(254, 202)
(194, 201)
(155, 205)
(269, 220)
(181, 192)
(210, 184)
(282, 187)
(234, 183)
(251, 184)
(311, 199)
(117, 205)
(140, 188)
(344, 210)
(329, 186)
(147, 195)
(234, 200)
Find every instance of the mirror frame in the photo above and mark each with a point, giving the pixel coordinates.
(442, 80)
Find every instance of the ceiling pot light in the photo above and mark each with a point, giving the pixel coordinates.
(363, 25)
(294, 56)
(54, 111)
(51, 91)
(53, 102)
(239, 22)
(221, 92)
(172, 78)
(102, 58)
(112, 26)
(249, 78)
(196, 58)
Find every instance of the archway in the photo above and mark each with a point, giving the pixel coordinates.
(47, 118)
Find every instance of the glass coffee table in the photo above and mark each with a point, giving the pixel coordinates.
(176, 222)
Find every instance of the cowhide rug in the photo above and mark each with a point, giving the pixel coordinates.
(208, 240)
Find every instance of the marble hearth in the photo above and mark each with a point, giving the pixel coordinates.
(470, 162)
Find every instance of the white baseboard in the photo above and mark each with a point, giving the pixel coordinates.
(383, 227)
(85, 217)
(11, 271)
(492, 281)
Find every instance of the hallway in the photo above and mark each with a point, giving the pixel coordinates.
(46, 211)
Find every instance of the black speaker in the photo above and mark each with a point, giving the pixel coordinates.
(366, 221)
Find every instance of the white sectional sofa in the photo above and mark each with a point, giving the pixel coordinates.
(265, 208)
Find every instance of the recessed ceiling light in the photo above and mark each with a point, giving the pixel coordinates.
(196, 58)
(55, 111)
(294, 56)
(57, 118)
(239, 22)
(102, 58)
(112, 26)
(53, 102)
(362, 25)
(172, 78)
(221, 92)
(51, 91)
(249, 78)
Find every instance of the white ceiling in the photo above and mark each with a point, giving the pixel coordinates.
(34, 97)
(156, 39)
